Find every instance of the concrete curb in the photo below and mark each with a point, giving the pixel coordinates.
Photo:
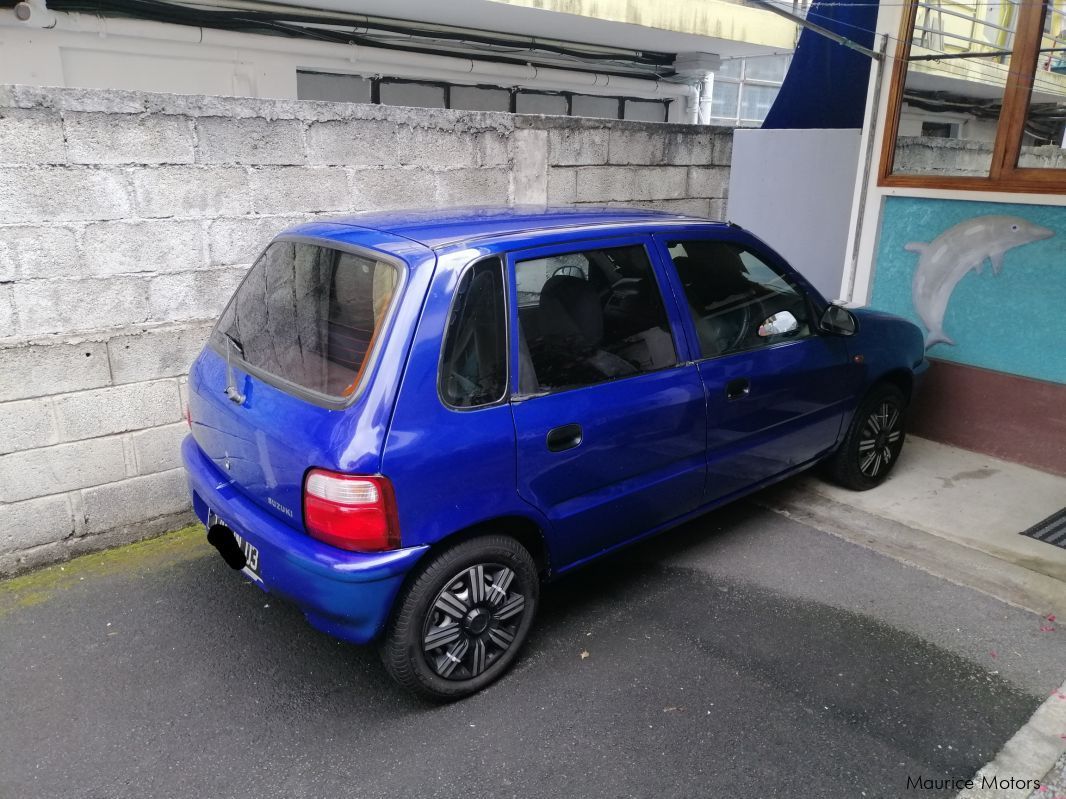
(1030, 754)
(955, 562)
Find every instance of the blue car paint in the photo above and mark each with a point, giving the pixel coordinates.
(636, 473)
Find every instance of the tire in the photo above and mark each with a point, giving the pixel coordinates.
(476, 603)
(873, 442)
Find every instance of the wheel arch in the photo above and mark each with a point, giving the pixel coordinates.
(901, 378)
(523, 529)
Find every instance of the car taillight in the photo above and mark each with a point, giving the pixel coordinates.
(351, 512)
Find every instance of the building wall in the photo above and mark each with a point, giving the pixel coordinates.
(128, 219)
(1000, 388)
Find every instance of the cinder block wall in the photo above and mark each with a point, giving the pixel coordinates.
(127, 219)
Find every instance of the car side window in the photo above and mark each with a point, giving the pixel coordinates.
(737, 300)
(590, 316)
(474, 360)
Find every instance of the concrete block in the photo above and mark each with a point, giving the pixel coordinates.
(562, 185)
(7, 311)
(530, 166)
(159, 448)
(152, 354)
(376, 143)
(31, 137)
(135, 500)
(191, 191)
(636, 147)
(473, 187)
(280, 190)
(688, 206)
(112, 248)
(722, 153)
(712, 181)
(242, 240)
(382, 189)
(42, 369)
(493, 150)
(119, 409)
(26, 425)
(683, 149)
(128, 138)
(576, 147)
(192, 295)
(35, 522)
(223, 140)
(68, 306)
(52, 470)
(58, 193)
(602, 184)
(31, 251)
(717, 209)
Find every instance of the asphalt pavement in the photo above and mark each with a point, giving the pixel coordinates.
(743, 655)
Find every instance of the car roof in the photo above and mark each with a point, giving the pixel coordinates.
(440, 228)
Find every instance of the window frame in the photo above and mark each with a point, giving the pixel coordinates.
(663, 283)
(1004, 174)
(372, 357)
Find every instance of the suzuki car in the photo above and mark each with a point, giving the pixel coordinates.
(404, 423)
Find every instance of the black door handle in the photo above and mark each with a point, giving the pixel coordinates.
(735, 389)
(566, 437)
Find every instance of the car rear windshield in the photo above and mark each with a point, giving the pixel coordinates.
(308, 315)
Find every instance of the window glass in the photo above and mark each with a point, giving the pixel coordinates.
(308, 315)
(724, 98)
(755, 101)
(590, 316)
(772, 68)
(733, 294)
(1044, 134)
(474, 363)
(957, 69)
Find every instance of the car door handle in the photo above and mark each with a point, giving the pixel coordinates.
(562, 438)
(735, 389)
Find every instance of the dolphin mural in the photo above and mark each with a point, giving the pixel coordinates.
(945, 260)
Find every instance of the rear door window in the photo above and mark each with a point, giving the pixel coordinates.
(590, 316)
(308, 315)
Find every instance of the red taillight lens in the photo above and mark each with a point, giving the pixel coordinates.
(351, 512)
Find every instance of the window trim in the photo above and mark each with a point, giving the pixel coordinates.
(370, 361)
(645, 240)
(1004, 175)
(463, 272)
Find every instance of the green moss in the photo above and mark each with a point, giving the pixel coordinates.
(132, 560)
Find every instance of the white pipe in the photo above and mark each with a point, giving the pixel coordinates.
(360, 59)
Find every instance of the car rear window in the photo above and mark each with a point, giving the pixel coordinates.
(308, 315)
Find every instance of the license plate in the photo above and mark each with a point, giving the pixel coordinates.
(251, 552)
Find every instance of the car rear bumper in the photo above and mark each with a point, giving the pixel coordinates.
(346, 594)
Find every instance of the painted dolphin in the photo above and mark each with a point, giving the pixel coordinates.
(945, 260)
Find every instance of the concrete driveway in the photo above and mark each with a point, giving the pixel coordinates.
(743, 655)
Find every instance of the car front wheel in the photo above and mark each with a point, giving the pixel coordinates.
(873, 442)
(460, 624)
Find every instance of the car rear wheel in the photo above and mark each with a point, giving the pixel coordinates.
(873, 443)
(460, 623)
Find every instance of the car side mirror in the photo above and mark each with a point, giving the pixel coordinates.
(780, 324)
(839, 321)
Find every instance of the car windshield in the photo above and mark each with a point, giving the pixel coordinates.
(308, 315)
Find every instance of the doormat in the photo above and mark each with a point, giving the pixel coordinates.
(1051, 531)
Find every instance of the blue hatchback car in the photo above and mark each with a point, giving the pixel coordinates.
(405, 422)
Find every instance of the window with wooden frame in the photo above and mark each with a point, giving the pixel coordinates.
(978, 99)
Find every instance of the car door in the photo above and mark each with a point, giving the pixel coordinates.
(776, 386)
(610, 421)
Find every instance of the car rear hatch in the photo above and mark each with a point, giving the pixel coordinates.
(285, 381)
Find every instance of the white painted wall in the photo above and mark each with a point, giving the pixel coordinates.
(794, 189)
